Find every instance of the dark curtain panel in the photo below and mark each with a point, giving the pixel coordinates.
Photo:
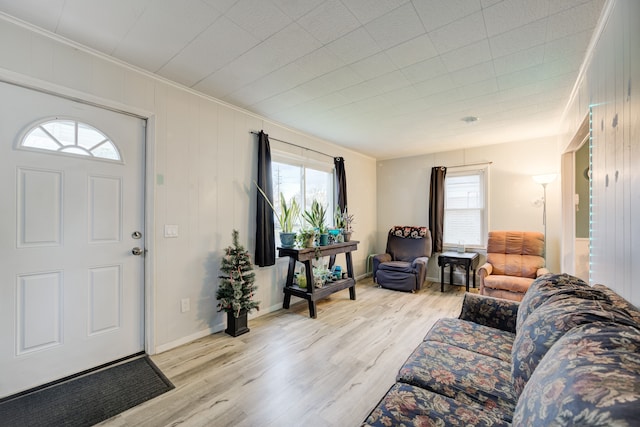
(436, 206)
(265, 243)
(341, 182)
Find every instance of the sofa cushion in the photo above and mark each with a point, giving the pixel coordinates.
(544, 287)
(619, 302)
(397, 266)
(407, 405)
(508, 283)
(590, 377)
(548, 323)
(468, 377)
(493, 312)
(473, 337)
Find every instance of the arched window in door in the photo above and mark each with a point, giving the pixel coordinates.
(67, 136)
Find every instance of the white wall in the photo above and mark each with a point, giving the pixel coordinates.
(403, 190)
(202, 165)
(610, 85)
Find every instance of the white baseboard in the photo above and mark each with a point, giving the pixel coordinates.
(184, 340)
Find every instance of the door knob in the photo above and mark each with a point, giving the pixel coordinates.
(137, 251)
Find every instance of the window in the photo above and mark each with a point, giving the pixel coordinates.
(303, 179)
(70, 137)
(465, 213)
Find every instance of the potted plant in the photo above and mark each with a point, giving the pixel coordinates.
(306, 237)
(286, 218)
(345, 219)
(236, 289)
(316, 218)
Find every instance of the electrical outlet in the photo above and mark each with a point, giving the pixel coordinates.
(185, 305)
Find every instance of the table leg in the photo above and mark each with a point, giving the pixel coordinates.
(451, 273)
(287, 300)
(442, 277)
(312, 309)
(352, 289)
(474, 278)
(467, 268)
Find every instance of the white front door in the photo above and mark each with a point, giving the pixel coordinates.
(71, 290)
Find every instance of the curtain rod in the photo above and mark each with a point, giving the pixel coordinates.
(296, 145)
(470, 164)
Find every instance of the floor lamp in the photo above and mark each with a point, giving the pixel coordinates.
(544, 180)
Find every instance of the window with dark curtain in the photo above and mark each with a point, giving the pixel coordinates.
(341, 182)
(265, 240)
(436, 206)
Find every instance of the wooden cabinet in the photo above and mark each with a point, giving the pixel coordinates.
(306, 256)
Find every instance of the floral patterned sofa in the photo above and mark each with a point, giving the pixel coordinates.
(567, 354)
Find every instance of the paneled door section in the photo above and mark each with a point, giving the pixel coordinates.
(71, 287)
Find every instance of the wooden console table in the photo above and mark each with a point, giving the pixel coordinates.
(311, 293)
(468, 260)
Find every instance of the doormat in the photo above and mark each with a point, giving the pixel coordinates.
(87, 398)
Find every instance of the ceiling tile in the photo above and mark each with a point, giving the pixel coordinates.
(281, 102)
(412, 51)
(575, 20)
(395, 27)
(221, 6)
(510, 14)
(467, 56)
(329, 21)
(477, 89)
(208, 52)
(573, 44)
(331, 82)
(258, 17)
(519, 60)
(319, 62)
(435, 85)
(162, 31)
(556, 6)
(376, 86)
(43, 14)
(473, 74)
(354, 46)
(436, 13)
(368, 10)
(281, 80)
(105, 24)
(373, 66)
(425, 70)
(297, 8)
(459, 33)
(520, 39)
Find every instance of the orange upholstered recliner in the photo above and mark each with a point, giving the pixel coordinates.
(514, 260)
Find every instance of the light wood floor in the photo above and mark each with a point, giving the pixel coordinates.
(291, 370)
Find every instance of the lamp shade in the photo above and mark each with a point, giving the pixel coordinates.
(545, 179)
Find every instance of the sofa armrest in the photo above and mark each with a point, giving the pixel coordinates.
(420, 261)
(377, 259)
(485, 270)
(420, 265)
(488, 311)
(542, 271)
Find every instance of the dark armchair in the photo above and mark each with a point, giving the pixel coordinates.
(404, 265)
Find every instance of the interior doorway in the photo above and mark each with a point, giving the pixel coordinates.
(576, 178)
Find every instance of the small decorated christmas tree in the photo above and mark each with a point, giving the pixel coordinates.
(237, 281)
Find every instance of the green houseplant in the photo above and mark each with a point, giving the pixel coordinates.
(237, 288)
(286, 218)
(316, 217)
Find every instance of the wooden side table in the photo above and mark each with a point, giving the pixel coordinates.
(311, 293)
(468, 260)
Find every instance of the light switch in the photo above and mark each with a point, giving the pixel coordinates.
(170, 231)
